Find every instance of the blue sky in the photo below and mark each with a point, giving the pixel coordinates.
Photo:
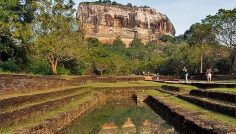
(182, 13)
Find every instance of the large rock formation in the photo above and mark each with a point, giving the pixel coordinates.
(106, 22)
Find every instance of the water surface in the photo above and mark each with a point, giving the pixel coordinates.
(120, 119)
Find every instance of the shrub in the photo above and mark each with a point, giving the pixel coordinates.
(82, 71)
(62, 70)
(10, 66)
(41, 67)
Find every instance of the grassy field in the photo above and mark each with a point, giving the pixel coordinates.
(226, 81)
(158, 84)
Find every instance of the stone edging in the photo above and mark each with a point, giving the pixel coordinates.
(53, 124)
(214, 95)
(187, 122)
(21, 115)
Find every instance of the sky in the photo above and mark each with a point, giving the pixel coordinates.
(182, 13)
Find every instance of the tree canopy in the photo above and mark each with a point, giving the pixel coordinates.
(44, 37)
(224, 25)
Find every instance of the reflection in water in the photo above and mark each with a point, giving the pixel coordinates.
(121, 119)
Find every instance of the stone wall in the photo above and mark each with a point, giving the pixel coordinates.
(54, 124)
(186, 121)
(172, 88)
(215, 95)
(11, 83)
(27, 113)
(24, 83)
(19, 100)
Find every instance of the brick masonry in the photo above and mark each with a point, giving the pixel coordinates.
(25, 83)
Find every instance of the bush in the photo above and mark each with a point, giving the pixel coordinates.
(62, 70)
(41, 67)
(82, 71)
(223, 65)
(10, 66)
(71, 65)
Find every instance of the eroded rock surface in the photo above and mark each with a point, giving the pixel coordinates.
(106, 22)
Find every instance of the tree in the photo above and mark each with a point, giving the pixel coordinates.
(101, 64)
(224, 25)
(118, 43)
(129, 5)
(189, 57)
(57, 32)
(93, 42)
(136, 43)
(107, 1)
(100, 59)
(15, 30)
(114, 3)
(166, 38)
(200, 35)
(119, 64)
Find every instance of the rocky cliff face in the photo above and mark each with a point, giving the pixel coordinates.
(106, 22)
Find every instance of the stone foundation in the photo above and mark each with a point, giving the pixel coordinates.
(187, 122)
(227, 97)
(23, 83)
(19, 100)
(27, 113)
(54, 124)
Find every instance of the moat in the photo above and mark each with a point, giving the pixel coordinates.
(120, 119)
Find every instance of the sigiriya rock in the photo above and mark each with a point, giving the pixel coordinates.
(107, 21)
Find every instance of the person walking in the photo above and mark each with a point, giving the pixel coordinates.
(209, 74)
(185, 74)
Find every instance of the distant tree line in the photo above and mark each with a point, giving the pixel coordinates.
(115, 3)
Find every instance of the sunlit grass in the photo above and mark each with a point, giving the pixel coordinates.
(138, 83)
(186, 87)
(125, 84)
(226, 81)
(28, 104)
(225, 90)
(17, 93)
(205, 114)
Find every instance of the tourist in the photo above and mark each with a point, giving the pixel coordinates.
(185, 74)
(157, 76)
(208, 74)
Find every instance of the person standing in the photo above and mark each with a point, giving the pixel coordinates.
(208, 74)
(185, 74)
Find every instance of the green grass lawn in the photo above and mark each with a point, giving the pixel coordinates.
(124, 84)
(224, 90)
(158, 84)
(225, 81)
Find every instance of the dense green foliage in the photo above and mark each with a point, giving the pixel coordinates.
(44, 37)
(114, 3)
